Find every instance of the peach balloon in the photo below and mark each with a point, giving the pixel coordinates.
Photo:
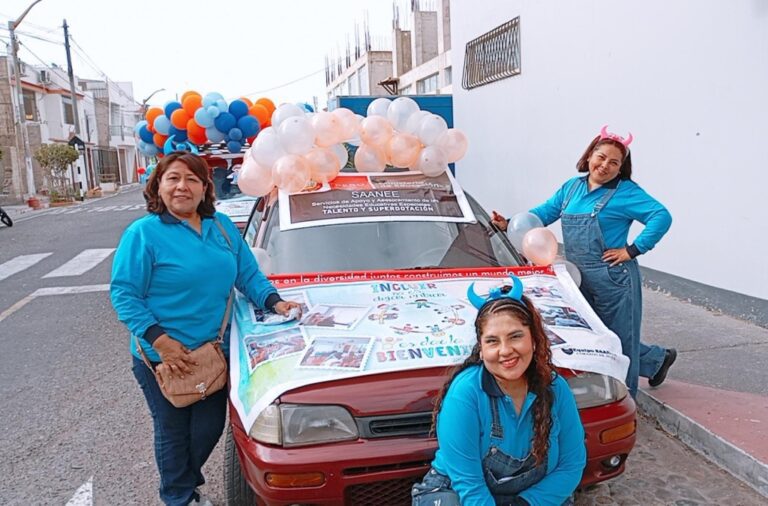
(348, 123)
(375, 130)
(254, 179)
(403, 150)
(324, 165)
(454, 143)
(327, 129)
(432, 161)
(370, 158)
(540, 246)
(291, 173)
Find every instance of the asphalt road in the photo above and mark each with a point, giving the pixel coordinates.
(74, 417)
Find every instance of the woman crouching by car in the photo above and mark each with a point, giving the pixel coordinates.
(508, 429)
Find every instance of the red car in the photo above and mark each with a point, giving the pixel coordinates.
(374, 439)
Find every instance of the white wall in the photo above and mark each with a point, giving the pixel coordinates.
(687, 78)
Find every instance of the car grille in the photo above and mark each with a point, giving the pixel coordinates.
(412, 424)
(381, 493)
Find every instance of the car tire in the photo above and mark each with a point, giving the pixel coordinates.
(239, 493)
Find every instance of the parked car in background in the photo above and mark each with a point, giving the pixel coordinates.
(389, 414)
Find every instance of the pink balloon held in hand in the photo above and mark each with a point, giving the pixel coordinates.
(540, 246)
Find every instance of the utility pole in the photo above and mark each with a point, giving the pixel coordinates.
(71, 75)
(12, 25)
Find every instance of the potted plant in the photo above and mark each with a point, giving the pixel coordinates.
(55, 159)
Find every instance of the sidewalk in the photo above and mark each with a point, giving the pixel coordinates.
(715, 398)
(24, 211)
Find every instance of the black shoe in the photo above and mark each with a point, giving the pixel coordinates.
(669, 358)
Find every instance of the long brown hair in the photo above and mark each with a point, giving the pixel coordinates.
(540, 372)
(625, 171)
(198, 166)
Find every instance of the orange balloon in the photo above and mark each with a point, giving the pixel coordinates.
(268, 104)
(152, 113)
(179, 119)
(191, 104)
(261, 113)
(190, 93)
(197, 138)
(159, 140)
(196, 133)
(247, 101)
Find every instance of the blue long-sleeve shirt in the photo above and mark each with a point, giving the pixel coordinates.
(464, 438)
(167, 278)
(630, 203)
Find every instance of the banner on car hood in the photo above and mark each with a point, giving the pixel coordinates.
(356, 324)
(397, 196)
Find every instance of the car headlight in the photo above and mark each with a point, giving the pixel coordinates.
(592, 389)
(303, 424)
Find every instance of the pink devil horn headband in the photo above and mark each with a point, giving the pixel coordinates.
(604, 134)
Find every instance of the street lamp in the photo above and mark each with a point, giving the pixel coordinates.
(144, 102)
(12, 25)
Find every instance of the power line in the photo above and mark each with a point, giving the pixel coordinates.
(93, 65)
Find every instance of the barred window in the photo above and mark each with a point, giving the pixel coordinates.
(492, 56)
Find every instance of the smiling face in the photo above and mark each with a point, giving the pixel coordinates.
(506, 349)
(604, 164)
(181, 190)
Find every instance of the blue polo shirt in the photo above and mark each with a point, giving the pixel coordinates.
(168, 278)
(464, 438)
(629, 203)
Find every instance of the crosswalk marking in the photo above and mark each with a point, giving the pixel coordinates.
(20, 263)
(97, 209)
(83, 262)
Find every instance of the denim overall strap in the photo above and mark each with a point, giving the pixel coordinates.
(497, 430)
(603, 201)
(570, 193)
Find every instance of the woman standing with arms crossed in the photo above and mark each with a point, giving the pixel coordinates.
(171, 280)
(596, 211)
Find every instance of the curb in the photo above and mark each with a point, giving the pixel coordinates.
(25, 214)
(705, 442)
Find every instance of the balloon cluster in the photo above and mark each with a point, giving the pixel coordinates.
(199, 119)
(302, 148)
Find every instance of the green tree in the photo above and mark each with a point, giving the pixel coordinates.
(55, 159)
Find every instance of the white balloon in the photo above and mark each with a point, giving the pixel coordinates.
(284, 112)
(518, 225)
(341, 153)
(400, 111)
(430, 129)
(379, 107)
(296, 135)
(414, 122)
(267, 148)
(432, 161)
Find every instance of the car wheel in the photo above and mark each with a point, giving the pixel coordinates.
(239, 493)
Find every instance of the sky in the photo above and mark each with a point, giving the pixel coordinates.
(257, 48)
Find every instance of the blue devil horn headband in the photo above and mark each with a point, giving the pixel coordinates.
(515, 292)
(170, 146)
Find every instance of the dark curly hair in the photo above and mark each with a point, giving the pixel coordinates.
(198, 166)
(540, 372)
(625, 171)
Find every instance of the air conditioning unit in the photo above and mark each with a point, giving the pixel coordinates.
(45, 76)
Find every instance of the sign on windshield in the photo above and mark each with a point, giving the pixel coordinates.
(355, 198)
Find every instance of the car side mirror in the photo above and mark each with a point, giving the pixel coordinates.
(261, 202)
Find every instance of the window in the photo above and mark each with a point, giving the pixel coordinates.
(448, 76)
(30, 105)
(406, 90)
(492, 56)
(69, 114)
(427, 85)
(354, 84)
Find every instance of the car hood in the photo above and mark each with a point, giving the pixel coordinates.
(373, 394)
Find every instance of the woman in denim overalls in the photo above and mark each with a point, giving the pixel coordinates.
(508, 429)
(596, 212)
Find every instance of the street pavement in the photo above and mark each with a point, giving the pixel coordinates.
(74, 418)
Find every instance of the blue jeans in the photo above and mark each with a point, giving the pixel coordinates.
(184, 437)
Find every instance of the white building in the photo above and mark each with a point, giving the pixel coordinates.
(687, 78)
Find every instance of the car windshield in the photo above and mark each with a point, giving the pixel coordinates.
(223, 186)
(384, 245)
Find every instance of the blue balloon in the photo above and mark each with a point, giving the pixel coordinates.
(162, 125)
(306, 107)
(214, 135)
(234, 146)
(236, 134)
(152, 150)
(142, 145)
(203, 118)
(238, 108)
(142, 123)
(225, 122)
(145, 134)
(211, 98)
(180, 135)
(222, 105)
(248, 125)
(171, 106)
(213, 111)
